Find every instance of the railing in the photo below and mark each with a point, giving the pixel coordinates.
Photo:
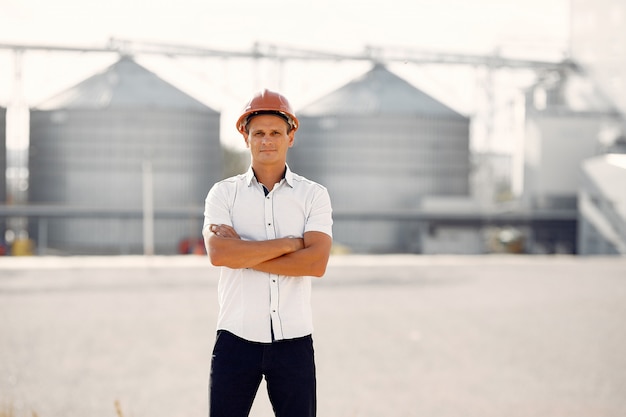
(38, 217)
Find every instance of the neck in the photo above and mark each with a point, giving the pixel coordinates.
(269, 175)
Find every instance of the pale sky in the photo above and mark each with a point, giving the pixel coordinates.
(525, 28)
(345, 24)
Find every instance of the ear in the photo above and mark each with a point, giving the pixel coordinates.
(245, 138)
(291, 135)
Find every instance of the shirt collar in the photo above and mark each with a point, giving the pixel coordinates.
(288, 176)
(249, 176)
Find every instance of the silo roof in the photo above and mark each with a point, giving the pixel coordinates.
(124, 84)
(378, 91)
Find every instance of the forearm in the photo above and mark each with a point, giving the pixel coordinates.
(236, 253)
(311, 260)
(304, 262)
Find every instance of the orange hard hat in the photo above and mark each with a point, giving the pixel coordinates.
(267, 102)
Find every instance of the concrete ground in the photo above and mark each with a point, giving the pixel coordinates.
(447, 336)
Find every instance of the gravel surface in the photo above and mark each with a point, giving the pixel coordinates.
(447, 336)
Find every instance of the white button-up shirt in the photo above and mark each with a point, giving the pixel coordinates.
(254, 304)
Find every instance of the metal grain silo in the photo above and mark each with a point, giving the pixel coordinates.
(379, 144)
(88, 148)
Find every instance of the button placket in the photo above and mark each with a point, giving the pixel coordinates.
(274, 294)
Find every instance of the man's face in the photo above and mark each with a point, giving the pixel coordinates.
(268, 139)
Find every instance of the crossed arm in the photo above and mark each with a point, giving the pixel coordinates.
(284, 256)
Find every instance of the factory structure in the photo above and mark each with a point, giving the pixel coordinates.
(601, 205)
(597, 44)
(381, 146)
(565, 115)
(119, 144)
(121, 162)
(397, 164)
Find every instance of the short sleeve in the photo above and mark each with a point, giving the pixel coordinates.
(320, 215)
(217, 205)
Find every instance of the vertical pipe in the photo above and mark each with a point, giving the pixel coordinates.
(42, 236)
(148, 210)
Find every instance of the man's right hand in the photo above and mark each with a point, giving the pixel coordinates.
(224, 230)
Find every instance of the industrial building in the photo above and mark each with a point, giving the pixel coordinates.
(602, 206)
(396, 161)
(597, 43)
(381, 146)
(121, 152)
(565, 113)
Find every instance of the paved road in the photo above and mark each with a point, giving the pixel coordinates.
(485, 336)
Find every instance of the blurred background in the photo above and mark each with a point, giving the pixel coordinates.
(445, 127)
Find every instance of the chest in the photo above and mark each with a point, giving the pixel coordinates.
(281, 213)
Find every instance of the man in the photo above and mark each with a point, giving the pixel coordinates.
(269, 230)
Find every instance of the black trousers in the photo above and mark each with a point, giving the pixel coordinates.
(238, 366)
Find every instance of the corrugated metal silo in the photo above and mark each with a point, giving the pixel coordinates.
(89, 144)
(379, 144)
